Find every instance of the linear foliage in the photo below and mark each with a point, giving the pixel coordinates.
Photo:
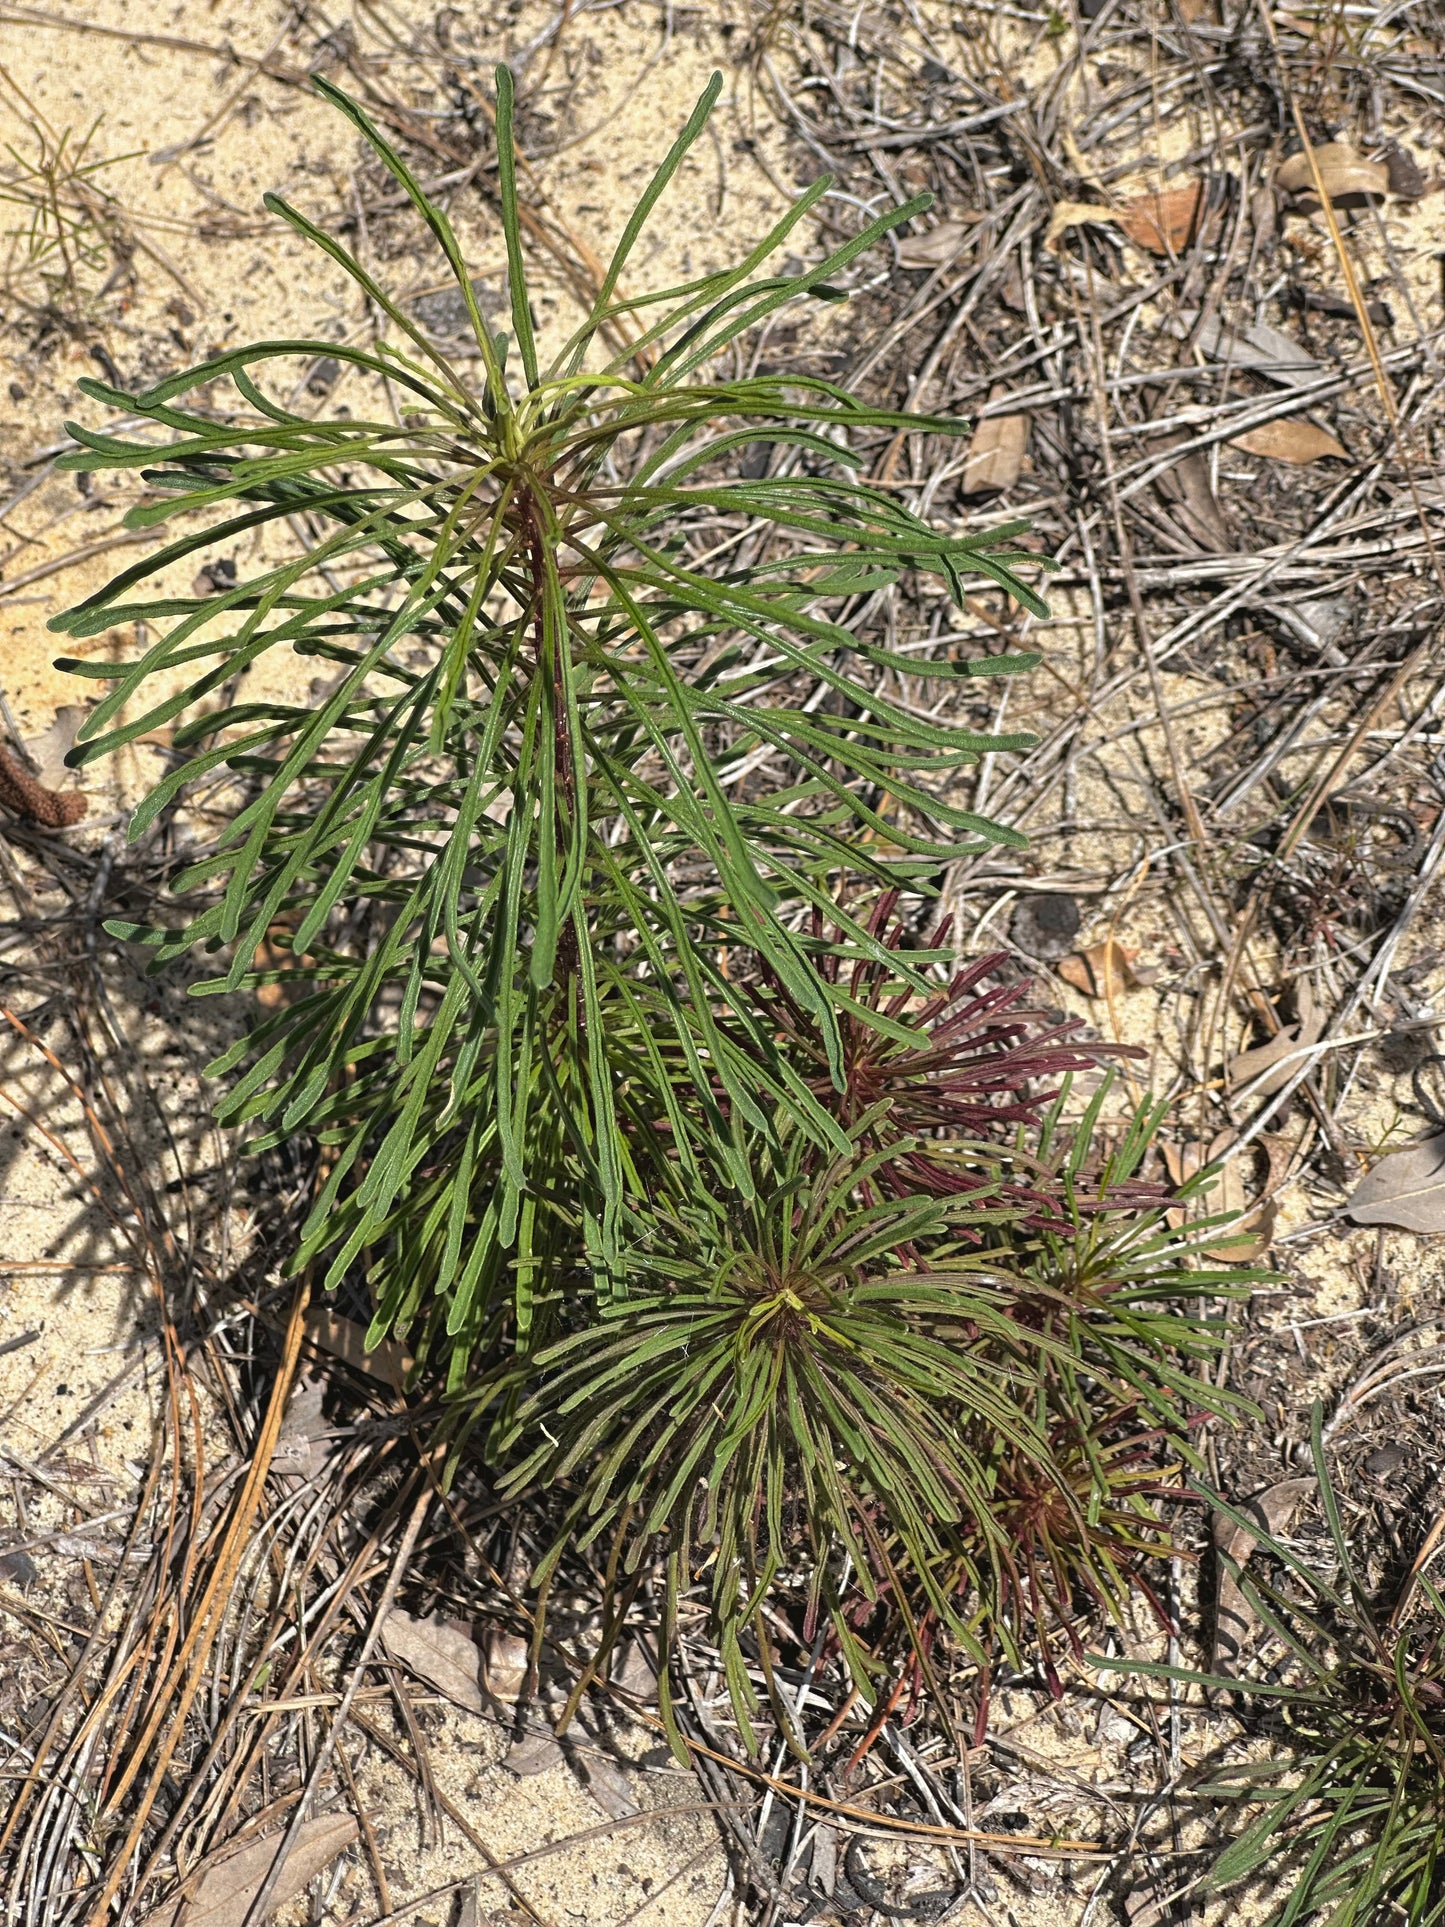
(712, 1198)
(1346, 1811)
(884, 1415)
(543, 710)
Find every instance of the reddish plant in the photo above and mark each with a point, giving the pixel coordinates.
(990, 1063)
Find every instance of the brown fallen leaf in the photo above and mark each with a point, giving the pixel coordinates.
(1272, 1511)
(1247, 1240)
(1407, 1189)
(995, 454)
(1166, 222)
(1349, 179)
(506, 1659)
(1275, 1057)
(935, 247)
(30, 800)
(345, 1339)
(1406, 176)
(1069, 214)
(538, 1751)
(442, 1654)
(223, 1895)
(1105, 969)
(1290, 441)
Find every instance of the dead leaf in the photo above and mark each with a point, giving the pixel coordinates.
(1290, 441)
(1407, 1189)
(51, 747)
(538, 1751)
(223, 1895)
(506, 1659)
(344, 1338)
(1349, 179)
(1069, 214)
(935, 247)
(1272, 1511)
(995, 454)
(605, 1781)
(1166, 222)
(1105, 969)
(442, 1654)
(1247, 1240)
(1271, 1057)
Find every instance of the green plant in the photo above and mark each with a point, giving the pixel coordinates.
(72, 230)
(505, 875)
(1347, 1807)
(896, 1415)
(588, 986)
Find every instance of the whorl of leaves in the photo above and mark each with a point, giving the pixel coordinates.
(887, 1417)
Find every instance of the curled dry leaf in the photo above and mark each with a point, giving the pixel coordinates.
(1244, 1242)
(1272, 1511)
(1274, 1062)
(223, 1895)
(1166, 222)
(1349, 179)
(995, 454)
(1290, 441)
(935, 247)
(1407, 1189)
(439, 1652)
(506, 1658)
(344, 1338)
(1105, 969)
